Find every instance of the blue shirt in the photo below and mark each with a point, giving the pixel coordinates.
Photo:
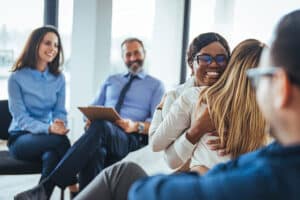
(35, 100)
(269, 173)
(140, 100)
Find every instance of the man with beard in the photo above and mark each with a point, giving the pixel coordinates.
(134, 95)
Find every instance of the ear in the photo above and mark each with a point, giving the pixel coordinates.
(191, 65)
(282, 89)
(194, 66)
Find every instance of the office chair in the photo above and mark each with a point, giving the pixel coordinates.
(8, 164)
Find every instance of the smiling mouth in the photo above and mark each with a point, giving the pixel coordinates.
(50, 55)
(213, 75)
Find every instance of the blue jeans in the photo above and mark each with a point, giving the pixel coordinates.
(45, 148)
(100, 146)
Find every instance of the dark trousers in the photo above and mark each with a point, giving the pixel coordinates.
(45, 148)
(101, 145)
(114, 144)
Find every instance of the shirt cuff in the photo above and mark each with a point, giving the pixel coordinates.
(45, 128)
(183, 147)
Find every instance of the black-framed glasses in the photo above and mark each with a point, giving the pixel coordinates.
(205, 59)
(255, 74)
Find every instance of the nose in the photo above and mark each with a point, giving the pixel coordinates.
(213, 64)
(132, 57)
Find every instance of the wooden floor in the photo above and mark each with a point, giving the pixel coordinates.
(12, 185)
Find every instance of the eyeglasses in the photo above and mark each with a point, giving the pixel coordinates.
(206, 59)
(255, 74)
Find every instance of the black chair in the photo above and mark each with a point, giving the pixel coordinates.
(8, 164)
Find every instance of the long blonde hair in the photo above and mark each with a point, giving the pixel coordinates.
(232, 104)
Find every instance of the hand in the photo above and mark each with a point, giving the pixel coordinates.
(215, 144)
(87, 124)
(200, 169)
(161, 103)
(58, 127)
(127, 125)
(200, 126)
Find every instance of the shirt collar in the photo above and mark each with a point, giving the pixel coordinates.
(37, 74)
(141, 74)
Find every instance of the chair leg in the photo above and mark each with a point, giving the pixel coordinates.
(62, 194)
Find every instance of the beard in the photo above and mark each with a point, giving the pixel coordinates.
(135, 66)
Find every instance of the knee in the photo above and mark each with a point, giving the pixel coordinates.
(62, 146)
(100, 124)
(128, 168)
(133, 168)
(99, 128)
(65, 142)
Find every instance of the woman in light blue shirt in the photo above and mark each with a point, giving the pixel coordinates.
(36, 91)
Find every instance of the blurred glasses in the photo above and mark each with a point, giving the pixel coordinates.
(205, 59)
(255, 74)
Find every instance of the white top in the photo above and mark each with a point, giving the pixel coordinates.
(154, 162)
(170, 135)
(171, 96)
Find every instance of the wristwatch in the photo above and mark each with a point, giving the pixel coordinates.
(141, 127)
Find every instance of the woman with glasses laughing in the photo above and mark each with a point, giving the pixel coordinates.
(227, 107)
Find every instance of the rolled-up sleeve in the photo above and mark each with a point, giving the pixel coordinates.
(159, 115)
(179, 152)
(170, 135)
(173, 125)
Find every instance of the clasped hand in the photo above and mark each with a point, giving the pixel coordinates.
(127, 125)
(58, 127)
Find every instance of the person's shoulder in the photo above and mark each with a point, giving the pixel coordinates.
(192, 91)
(61, 75)
(152, 78)
(171, 93)
(115, 76)
(261, 157)
(19, 73)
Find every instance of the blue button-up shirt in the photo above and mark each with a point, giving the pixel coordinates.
(140, 100)
(269, 173)
(35, 100)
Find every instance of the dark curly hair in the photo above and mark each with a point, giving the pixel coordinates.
(203, 40)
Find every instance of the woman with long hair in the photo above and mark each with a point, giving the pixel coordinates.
(227, 107)
(36, 100)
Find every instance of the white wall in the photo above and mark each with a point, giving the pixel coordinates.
(166, 49)
(89, 63)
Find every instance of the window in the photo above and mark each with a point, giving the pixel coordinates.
(130, 18)
(16, 23)
(238, 19)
